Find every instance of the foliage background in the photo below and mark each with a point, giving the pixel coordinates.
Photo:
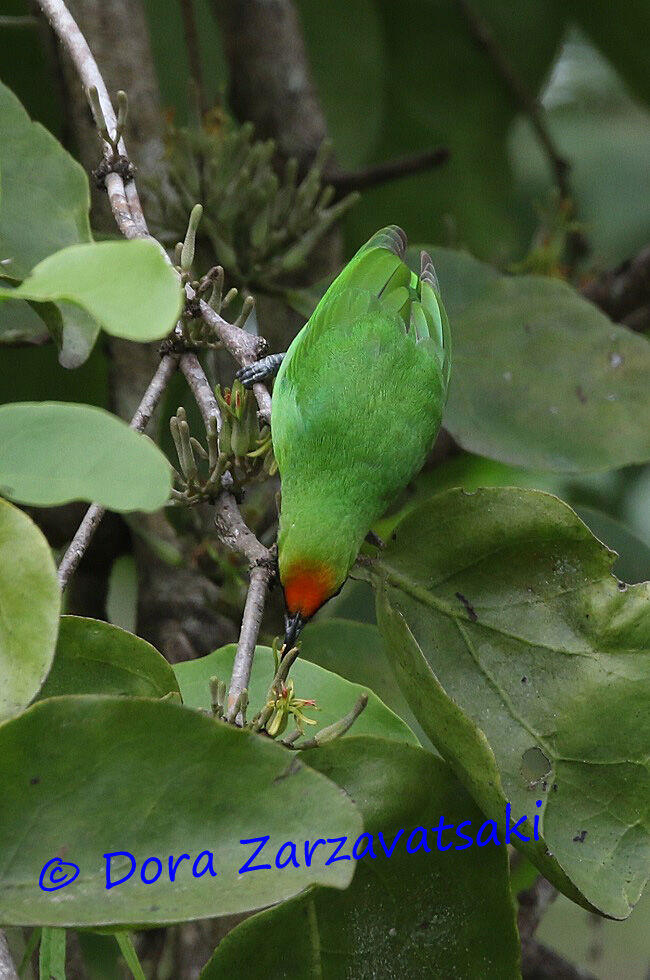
(395, 78)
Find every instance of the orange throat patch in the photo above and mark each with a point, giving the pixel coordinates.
(307, 585)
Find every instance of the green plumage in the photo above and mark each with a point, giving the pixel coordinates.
(357, 403)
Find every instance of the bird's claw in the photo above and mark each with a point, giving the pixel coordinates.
(260, 370)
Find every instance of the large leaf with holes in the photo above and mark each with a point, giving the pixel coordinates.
(93, 657)
(541, 378)
(29, 609)
(127, 287)
(423, 913)
(91, 776)
(528, 665)
(335, 696)
(54, 452)
(44, 195)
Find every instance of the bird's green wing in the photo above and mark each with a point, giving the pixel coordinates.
(376, 280)
(376, 272)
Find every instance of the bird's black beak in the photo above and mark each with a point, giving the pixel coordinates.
(292, 627)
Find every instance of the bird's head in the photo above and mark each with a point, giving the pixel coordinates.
(307, 586)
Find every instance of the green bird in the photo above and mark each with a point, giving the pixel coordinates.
(356, 406)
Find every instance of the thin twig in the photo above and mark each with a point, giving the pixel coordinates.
(245, 348)
(345, 181)
(124, 199)
(624, 292)
(18, 21)
(7, 968)
(77, 547)
(337, 729)
(526, 100)
(200, 388)
(234, 533)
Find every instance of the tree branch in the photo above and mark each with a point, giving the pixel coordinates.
(200, 388)
(77, 547)
(235, 534)
(244, 347)
(270, 77)
(538, 962)
(345, 181)
(624, 293)
(7, 968)
(124, 199)
(525, 99)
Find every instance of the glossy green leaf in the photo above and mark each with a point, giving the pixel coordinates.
(53, 452)
(127, 287)
(439, 914)
(357, 652)
(91, 776)
(44, 195)
(335, 696)
(541, 378)
(29, 609)
(528, 665)
(93, 657)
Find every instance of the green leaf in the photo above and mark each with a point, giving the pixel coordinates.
(44, 198)
(334, 695)
(127, 949)
(96, 775)
(357, 652)
(585, 99)
(44, 202)
(54, 452)
(633, 564)
(29, 609)
(128, 287)
(437, 914)
(541, 378)
(528, 666)
(616, 36)
(51, 955)
(73, 329)
(122, 593)
(93, 657)
(20, 324)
